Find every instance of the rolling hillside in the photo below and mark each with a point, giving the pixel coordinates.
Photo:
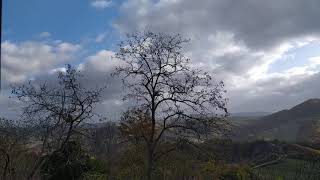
(300, 123)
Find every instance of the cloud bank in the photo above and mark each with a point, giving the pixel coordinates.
(239, 41)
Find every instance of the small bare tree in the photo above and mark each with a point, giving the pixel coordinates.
(172, 99)
(57, 110)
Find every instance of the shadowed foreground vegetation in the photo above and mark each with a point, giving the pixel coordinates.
(215, 159)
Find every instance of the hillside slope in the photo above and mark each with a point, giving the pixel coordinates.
(300, 123)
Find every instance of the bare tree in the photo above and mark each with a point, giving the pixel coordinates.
(57, 110)
(171, 97)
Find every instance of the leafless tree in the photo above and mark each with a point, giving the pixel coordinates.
(172, 98)
(57, 110)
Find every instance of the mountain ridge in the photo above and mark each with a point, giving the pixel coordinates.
(308, 108)
(300, 122)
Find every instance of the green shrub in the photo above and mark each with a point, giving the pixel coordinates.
(71, 162)
(225, 171)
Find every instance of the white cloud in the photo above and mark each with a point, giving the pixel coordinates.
(101, 37)
(65, 47)
(101, 4)
(56, 70)
(103, 61)
(21, 61)
(237, 41)
(314, 61)
(28, 60)
(44, 34)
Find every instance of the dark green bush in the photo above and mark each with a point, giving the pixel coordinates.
(71, 162)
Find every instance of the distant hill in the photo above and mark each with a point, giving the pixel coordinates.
(300, 123)
(249, 114)
(309, 108)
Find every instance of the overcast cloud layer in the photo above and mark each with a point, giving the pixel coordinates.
(236, 41)
(239, 40)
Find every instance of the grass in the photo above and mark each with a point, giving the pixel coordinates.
(291, 169)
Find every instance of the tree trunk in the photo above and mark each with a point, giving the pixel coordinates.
(68, 136)
(39, 163)
(6, 167)
(150, 164)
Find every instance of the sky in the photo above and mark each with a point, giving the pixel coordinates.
(266, 52)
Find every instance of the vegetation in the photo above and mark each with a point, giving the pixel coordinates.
(290, 169)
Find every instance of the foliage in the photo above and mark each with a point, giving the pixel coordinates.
(67, 163)
(97, 170)
(290, 169)
(131, 164)
(73, 162)
(223, 171)
(12, 142)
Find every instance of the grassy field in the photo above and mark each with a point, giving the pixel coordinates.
(290, 169)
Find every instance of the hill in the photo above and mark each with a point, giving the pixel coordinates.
(307, 109)
(300, 123)
(249, 114)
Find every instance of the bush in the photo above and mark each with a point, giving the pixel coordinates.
(70, 162)
(224, 171)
